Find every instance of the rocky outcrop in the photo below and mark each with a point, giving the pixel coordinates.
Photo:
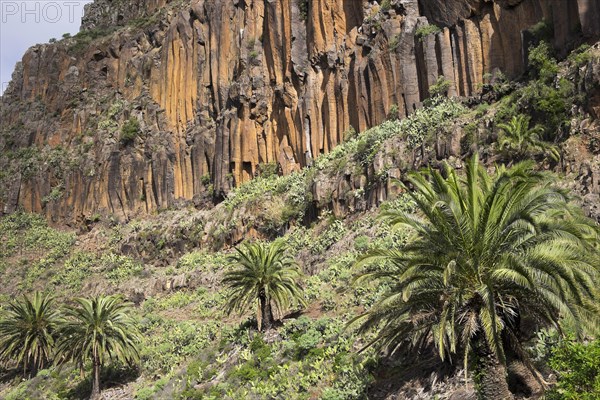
(219, 87)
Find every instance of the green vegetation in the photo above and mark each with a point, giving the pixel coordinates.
(426, 30)
(542, 31)
(394, 113)
(98, 329)
(580, 56)
(520, 142)
(488, 250)
(84, 38)
(541, 62)
(29, 237)
(303, 6)
(27, 333)
(385, 6)
(440, 87)
(394, 42)
(129, 131)
(34, 334)
(545, 98)
(483, 276)
(578, 367)
(267, 170)
(267, 275)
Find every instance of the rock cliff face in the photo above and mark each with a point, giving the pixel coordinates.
(211, 89)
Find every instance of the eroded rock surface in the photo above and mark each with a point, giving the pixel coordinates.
(218, 87)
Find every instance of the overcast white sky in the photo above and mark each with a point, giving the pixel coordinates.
(24, 23)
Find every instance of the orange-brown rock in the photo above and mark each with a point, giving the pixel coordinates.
(221, 86)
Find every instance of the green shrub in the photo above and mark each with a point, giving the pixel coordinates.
(145, 393)
(386, 5)
(307, 342)
(426, 30)
(361, 243)
(578, 369)
(84, 38)
(55, 194)
(267, 170)
(350, 134)
(129, 131)
(440, 87)
(546, 340)
(261, 350)
(543, 65)
(167, 343)
(119, 268)
(543, 30)
(394, 113)
(394, 42)
(550, 105)
(367, 148)
(580, 56)
(75, 270)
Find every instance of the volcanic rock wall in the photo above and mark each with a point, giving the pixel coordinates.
(219, 87)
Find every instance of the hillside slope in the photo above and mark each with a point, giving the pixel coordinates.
(170, 263)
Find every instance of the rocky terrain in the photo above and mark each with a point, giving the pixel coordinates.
(210, 90)
(167, 132)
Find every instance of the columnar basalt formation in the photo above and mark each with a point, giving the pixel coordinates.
(219, 87)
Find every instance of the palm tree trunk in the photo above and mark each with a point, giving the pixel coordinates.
(96, 381)
(266, 313)
(490, 374)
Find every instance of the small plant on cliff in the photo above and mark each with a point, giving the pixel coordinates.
(394, 42)
(129, 131)
(55, 194)
(303, 6)
(85, 37)
(386, 5)
(205, 179)
(543, 30)
(487, 252)
(266, 277)
(426, 30)
(97, 330)
(394, 113)
(27, 332)
(440, 87)
(580, 56)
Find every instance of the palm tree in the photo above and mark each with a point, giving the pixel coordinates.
(27, 332)
(265, 274)
(98, 329)
(519, 142)
(486, 251)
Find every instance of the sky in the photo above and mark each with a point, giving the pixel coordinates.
(24, 23)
